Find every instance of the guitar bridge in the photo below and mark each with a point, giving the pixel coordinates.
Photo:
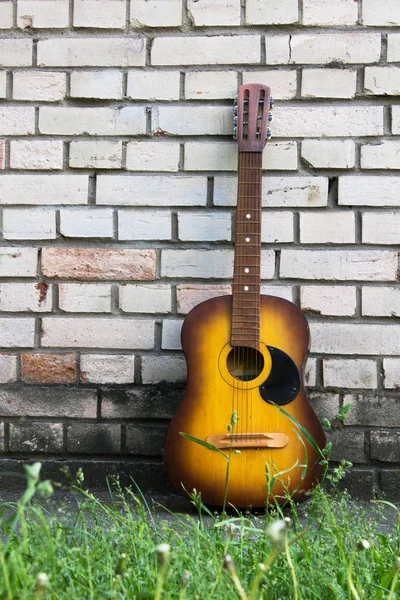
(248, 440)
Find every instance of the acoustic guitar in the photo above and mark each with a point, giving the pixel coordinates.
(245, 402)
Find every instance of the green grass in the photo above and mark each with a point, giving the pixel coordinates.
(110, 550)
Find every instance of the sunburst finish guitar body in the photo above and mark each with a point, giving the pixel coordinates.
(245, 355)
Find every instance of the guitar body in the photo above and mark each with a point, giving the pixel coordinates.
(217, 388)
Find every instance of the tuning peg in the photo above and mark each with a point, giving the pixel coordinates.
(235, 100)
(270, 117)
(235, 110)
(235, 120)
(269, 133)
(271, 102)
(235, 133)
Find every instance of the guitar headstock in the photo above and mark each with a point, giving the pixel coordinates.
(252, 115)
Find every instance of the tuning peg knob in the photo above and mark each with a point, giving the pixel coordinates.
(235, 120)
(269, 133)
(235, 133)
(270, 117)
(235, 110)
(271, 102)
(235, 100)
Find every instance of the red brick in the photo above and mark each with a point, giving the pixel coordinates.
(1, 154)
(48, 368)
(99, 263)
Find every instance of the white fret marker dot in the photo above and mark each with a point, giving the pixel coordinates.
(246, 270)
(248, 216)
(247, 239)
(246, 288)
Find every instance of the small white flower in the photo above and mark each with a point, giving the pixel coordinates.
(42, 581)
(163, 553)
(276, 531)
(363, 545)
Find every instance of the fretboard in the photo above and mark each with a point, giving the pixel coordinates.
(245, 325)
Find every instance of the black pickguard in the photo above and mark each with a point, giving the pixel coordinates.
(283, 383)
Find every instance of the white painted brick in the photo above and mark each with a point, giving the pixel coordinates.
(391, 369)
(87, 223)
(280, 291)
(39, 15)
(36, 154)
(92, 52)
(44, 189)
(328, 121)
(351, 47)
(310, 374)
(354, 338)
(393, 50)
(213, 50)
(139, 298)
(380, 12)
(15, 52)
(277, 49)
(107, 368)
(39, 85)
(155, 14)
(328, 83)
(144, 225)
(210, 85)
(330, 227)
(151, 190)
(385, 155)
(153, 85)
(280, 156)
(3, 84)
(102, 14)
(106, 83)
(356, 373)
(163, 368)
(214, 12)
(92, 332)
(17, 120)
(17, 333)
(190, 295)
(380, 301)
(152, 156)
(395, 119)
(25, 297)
(29, 224)
(204, 264)
(282, 83)
(329, 154)
(82, 297)
(382, 81)
(210, 226)
(369, 190)
(193, 120)
(95, 154)
(381, 228)
(340, 265)
(18, 262)
(259, 12)
(277, 227)
(323, 12)
(171, 334)
(61, 120)
(332, 300)
(8, 368)
(277, 191)
(6, 14)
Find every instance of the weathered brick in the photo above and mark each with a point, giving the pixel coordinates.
(326, 404)
(36, 437)
(1, 437)
(351, 47)
(3, 84)
(102, 14)
(380, 12)
(61, 120)
(94, 438)
(372, 411)
(2, 154)
(40, 189)
(393, 50)
(310, 373)
(329, 299)
(17, 120)
(144, 225)
(385, 155)
(95, 154)
(171, 334)
(36, 154)
(348, 444)
(85, 297)
(327, 227)
(145, 298)
(381, 301)
(277, 191)
(48, 402)
(18, 262)
(210, 226)
(48, 368)
(96, 332)
(219, 50)
(350, 373)
(6, 14)
(210, 85)
(152, 190)
(25, 297)
(29, 224)
(280, 291)
(340, 265)
(395, 119)
(385, 446)
(8, 368)
(149, 401)
(163, 368)
(382, 81)
(369, 190)
(98, 263)
(322, 12)
(328, 83)
(154, 14)
(214, 12)
(329, 154)
(38, 14)
(91, 52)
(354, 338)
(391, 371)
(15, 52)
(107, 368)
(145, 440)
(189, 295)
(87, 223)
(105, 83)
(273, 13)
(192, 120)
(152, 156)
(282, 83)
(380, 228)
(153, 85)
(45, 86)
(389, 479)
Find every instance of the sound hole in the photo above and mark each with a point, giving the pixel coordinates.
(244, 363)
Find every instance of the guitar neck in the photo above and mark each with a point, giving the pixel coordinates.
(245, 325)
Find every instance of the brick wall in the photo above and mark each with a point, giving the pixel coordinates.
(118, 187)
